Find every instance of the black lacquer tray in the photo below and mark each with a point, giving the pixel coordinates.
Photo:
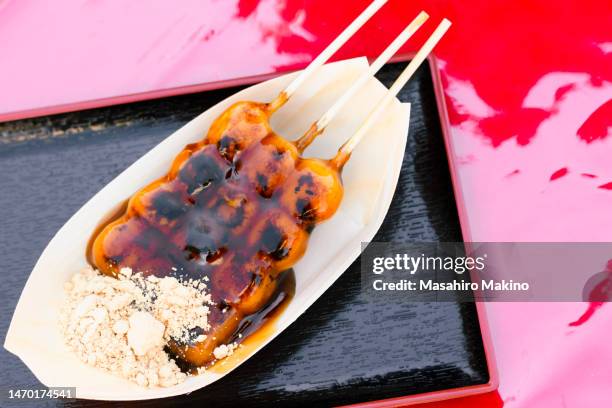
(347, 348)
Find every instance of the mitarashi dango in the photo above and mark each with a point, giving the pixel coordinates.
(236, 209)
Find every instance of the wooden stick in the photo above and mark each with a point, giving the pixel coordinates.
(326, 54)
(317, 128)
(347, 148)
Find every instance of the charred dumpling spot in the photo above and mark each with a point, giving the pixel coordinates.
(304, 191)
(279, 146)
(215, 257)
(268, 166)
(278, 152)
(228, 146)
(273, 242)
(234, 169)
(279, 239)
(205, 237)
(305, 211)
(223, 306)
(151, 253)
(314, 191)
(243, 283)
(147, 202)
(241, 125)
(262, 186)
(168, 205)
(135, 244)
(257, 294)
(191, 252)
(231, 278)
(232, 208)
(208, 254)
(305, 184)
(203, 169)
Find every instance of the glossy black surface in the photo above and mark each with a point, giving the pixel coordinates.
(346, 348)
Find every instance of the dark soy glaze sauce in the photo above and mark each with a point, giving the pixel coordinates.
(235, 210)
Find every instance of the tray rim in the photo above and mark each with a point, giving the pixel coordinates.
(485, 332)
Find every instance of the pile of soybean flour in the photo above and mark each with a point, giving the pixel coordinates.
(122, 325)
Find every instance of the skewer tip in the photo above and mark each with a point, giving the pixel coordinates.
(375, 66)
(423, 15)
(419, 57)
(331, 49)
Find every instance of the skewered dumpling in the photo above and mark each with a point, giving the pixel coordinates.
(236, 208)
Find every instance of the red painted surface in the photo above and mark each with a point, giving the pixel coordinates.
(527, 85)
(559, 173)
(607, 186)
(599, 292)
(596, 126)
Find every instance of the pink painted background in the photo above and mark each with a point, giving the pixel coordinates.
(528, 87)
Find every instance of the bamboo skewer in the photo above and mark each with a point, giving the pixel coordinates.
(319, 126)
(326, 54)
(347, 148)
